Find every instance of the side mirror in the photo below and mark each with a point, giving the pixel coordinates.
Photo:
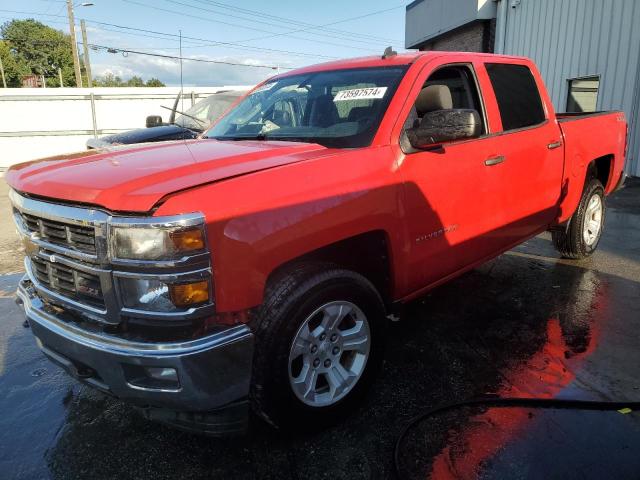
(153, 121)
(444, 126)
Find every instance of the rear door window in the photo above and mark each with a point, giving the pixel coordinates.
(517, 95)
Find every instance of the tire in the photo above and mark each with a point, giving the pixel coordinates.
(294, 300)
(577, 241)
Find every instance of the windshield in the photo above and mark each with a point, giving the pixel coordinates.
(339, 108)
(207, 110)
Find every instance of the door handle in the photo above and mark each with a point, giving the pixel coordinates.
(553, 145)
(491, 161)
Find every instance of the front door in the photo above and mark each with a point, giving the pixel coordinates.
(453, 194)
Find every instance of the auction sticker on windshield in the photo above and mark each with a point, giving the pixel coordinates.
(360, 94)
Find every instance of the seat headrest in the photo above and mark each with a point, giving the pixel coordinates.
(356, 113)
(432, 98)
(323, 111)
(282, 118)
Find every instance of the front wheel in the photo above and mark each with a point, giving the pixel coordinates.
(319, 339)
(583, 234)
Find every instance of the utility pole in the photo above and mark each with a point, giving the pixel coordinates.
(4, 80)
(74, 47)
(60, 77)
(87, 63)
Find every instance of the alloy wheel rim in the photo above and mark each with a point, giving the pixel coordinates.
(592, 224)
(329, 353)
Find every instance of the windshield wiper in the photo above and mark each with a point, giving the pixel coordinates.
(202, 122)
(286, 138)
(260, 136)
(265, 137)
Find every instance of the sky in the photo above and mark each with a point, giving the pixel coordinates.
(271, 36)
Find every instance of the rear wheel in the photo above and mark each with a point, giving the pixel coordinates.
(580, 239)
(319, 343)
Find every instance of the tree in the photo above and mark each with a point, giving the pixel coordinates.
(108, 80)
(111, 80)
(14, 68)
(35, 48)
(135, 81)
(154, 82)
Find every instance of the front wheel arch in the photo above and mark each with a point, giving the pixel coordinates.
(290, 298)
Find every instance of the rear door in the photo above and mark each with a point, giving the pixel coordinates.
(529, 148)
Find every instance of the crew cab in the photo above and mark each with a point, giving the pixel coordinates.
(256, 266)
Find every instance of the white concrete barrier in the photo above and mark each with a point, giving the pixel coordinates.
(38, 122)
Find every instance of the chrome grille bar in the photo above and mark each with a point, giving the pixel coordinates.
(72, 236)
(72, 283)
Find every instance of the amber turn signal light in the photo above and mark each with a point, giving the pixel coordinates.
(189, 294)
(187, 240)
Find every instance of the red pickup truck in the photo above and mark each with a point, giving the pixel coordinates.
(255, 267)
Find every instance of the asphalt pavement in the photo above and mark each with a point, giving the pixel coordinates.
(525, 324)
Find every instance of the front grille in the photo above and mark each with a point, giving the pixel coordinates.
(69, 265)
(76, 237)
(69, 282)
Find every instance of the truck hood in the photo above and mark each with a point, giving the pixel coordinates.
(134, 179)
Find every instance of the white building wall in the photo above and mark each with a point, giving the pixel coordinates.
(40, 122)
(575, 38)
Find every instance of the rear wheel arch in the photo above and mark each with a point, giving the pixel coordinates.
(572, 241)
(601, 169)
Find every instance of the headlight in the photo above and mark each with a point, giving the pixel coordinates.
(158, 296)
(163, 242)
(156, 241)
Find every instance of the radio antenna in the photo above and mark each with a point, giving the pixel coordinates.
(181, 83)
(184, 138)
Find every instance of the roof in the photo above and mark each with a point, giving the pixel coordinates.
(361, 62)
(404, 58)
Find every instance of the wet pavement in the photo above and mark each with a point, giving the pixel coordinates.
(525, 324)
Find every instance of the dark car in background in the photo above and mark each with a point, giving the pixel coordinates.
(181, 125)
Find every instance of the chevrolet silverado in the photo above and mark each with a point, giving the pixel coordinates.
(255, 268)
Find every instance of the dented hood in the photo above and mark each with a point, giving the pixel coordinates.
(134, 179)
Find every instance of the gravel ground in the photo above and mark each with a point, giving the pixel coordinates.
(10, 254)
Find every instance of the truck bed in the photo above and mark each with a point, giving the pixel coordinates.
(570, 116)
(589, 136)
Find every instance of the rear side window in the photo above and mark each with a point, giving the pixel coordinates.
(517, 95)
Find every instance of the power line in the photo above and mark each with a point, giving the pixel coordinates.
(65, 43)
(210, 42)
(55, 41)
(213, 43)
(146, 35)
(153, 7)
(311, 26)
(174, 57)
(277, 25)
(329, 24)
(124, 50)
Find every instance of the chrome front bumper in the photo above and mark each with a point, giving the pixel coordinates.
(212, 372)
